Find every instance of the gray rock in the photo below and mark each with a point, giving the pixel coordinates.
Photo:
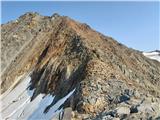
(108, 117)
(92, 100)
(133, 109)
(123, 111)
(129, 92)
(137, 94)
(123, 98)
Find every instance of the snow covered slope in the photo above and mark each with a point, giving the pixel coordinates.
(16, 104)
(153, 55)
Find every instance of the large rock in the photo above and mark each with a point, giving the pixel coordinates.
(122, 111)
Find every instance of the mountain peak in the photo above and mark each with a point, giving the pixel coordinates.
(94, 75)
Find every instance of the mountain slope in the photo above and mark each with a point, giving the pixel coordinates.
(109, 80)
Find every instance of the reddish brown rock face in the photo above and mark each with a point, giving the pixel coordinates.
(63, 55)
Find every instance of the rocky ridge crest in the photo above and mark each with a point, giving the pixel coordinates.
(110, 80)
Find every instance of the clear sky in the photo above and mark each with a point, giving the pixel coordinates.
(135, 24)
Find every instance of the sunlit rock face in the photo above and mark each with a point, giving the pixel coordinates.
(55, 65)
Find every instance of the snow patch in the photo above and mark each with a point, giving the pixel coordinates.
(152, 55)
(16, 104)
(39, 113)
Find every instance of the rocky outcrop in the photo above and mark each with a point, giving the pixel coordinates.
(110, 80)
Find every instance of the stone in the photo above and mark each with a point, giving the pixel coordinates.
(108, 117)
(137, 94)
(123, 98)
(123, 111)
(104, 88)
(145, 108)
(129, 92)
(88, 108)
(134, 109)
(92, 100)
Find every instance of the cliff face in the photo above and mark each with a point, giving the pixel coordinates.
(109, 80)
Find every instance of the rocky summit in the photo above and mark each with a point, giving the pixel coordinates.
(49, 59)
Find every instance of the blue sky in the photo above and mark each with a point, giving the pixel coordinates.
(135, 24)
